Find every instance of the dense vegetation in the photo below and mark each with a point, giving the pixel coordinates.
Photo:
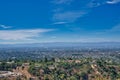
(75, 69)
(61, 64)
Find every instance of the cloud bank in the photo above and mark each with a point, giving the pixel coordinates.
(69, 16)
(5, 27)
(113, 2)
(62, 1)
(22, 34)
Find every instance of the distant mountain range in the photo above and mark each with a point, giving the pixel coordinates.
(67, 44)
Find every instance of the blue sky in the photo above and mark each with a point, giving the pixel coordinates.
(37, 21)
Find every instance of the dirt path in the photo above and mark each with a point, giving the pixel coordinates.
(95, 69)
(24, 72)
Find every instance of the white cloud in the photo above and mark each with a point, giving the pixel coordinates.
(22, 34)
(97, 3)
(113, 2)
(115, 28)
(62, 1)
(62, 14)
(57, 23)
(94, 3)
(5, 27)
(69, 16)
